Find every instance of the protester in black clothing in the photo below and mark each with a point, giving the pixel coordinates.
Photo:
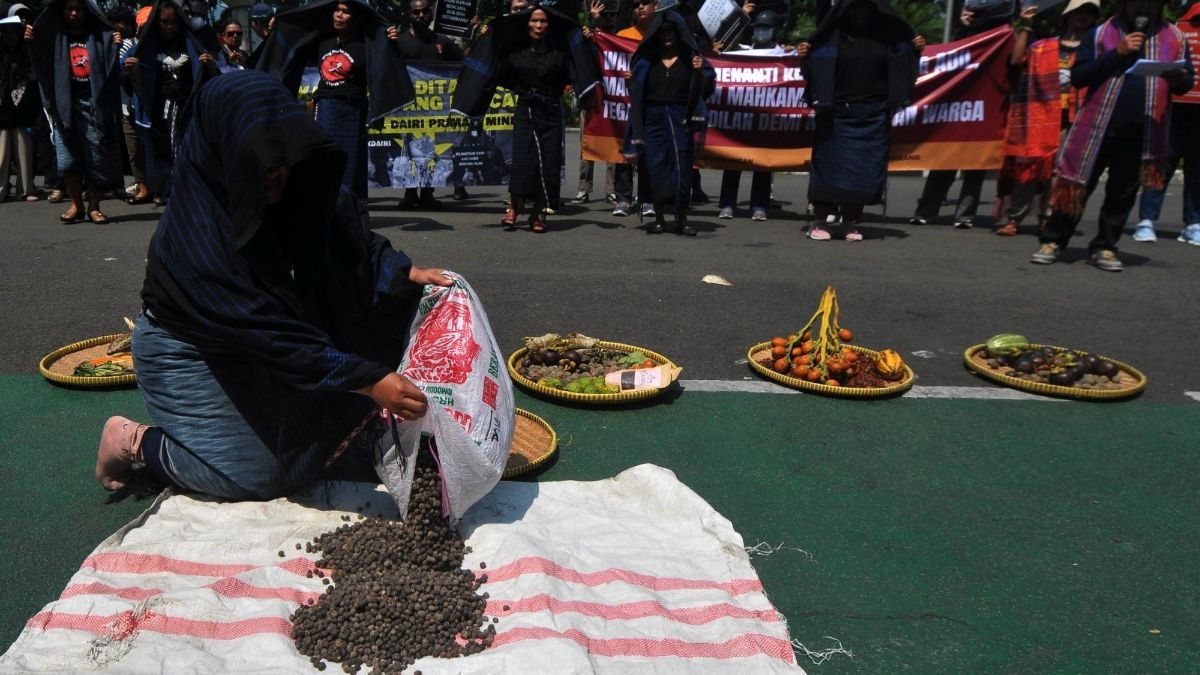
(670, 82)
(74, 53)
(274, 318)
(536, 54)
(20, 106)
(168, 64)
(355, 52)
(860, 65)
(420, 43)
(991, 13)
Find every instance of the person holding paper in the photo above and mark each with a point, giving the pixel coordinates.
(1043, 105)
(1123, 127)
(860, 64)
(1185, 148)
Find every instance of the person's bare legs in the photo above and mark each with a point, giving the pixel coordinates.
(75, 192)
(120, 449)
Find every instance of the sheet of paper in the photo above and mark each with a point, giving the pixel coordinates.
(1151, 68)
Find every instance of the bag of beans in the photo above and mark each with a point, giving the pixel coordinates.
(453, 357)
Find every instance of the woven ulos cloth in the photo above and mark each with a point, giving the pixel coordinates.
(635, 573)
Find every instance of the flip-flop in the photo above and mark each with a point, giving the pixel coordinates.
(102, 220)
(134, 201)
(67, 220)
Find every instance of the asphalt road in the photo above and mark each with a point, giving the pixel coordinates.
(926, 291)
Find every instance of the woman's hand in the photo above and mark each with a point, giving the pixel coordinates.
(398, 395)
(626, 74)
(596, 9)
(802, 49)
(966, 17)
(206, 59)
(587, 33)
(131, 63)
(918, 43)
(718, 46)
(697, 62)
(749, 8)
(116, 38)
(393, 33)
(428, 275)
(29, 32)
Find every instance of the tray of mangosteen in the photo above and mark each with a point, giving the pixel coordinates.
(1013, 361)
(575, 367)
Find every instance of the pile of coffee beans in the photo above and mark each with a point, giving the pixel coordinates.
(395, 591)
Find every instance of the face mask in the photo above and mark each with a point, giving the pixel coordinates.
(197, 22)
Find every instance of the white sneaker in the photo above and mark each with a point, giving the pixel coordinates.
(758, 214)
(1191, 234)
(726, 213)
(1144, 231)
(647, 210)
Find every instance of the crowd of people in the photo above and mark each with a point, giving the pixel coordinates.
(1075, 114)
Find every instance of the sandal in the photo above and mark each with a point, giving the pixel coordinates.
(135, 200)
(71, 215)
(509, 219)
(31, 197)
(97, 217)
(536, 224)
(818, 233)
(852, 233)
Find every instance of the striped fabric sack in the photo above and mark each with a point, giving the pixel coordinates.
(631, 574)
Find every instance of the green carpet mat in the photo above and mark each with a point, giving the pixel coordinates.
(938, 535)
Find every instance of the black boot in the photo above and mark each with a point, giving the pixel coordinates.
(682, 226)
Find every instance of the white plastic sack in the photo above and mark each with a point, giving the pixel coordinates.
(633, 574)
(453, 357)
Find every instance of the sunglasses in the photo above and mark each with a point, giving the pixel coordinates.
(234, 33)
(419, 12)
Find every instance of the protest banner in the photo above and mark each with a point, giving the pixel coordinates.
(757, 118)
(423, 145)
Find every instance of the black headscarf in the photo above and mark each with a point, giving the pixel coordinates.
(702, 84)
(509, 34)
(292, 45)
(147, 51)
(888, 27)
(51, 60)
(304, 288)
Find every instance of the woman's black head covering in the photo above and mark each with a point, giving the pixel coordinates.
(51, 60)
(227, 148)
(509, 34)
(887, 22)
(292, 45)
(150, 45)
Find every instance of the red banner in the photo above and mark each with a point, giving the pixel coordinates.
(757, 118)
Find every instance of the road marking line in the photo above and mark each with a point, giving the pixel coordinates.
(1194, 395)
(762, 387)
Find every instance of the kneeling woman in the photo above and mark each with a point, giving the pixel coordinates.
(355, 52)
(274, 319)
(861, 63)
(536, 53)
(667, 90)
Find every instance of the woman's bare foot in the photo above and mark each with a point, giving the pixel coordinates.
(120, 449)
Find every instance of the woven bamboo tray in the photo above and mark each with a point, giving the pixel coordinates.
(620, 397)
(1133, 381)
(817, 388)
(534, 443)
(58, 365)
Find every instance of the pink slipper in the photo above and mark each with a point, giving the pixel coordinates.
(818, 233)
(852, 233)
(120, 449)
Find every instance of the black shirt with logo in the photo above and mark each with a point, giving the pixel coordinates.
(343, 69)
(81, 69)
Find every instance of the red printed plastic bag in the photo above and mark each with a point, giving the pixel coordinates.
(453, 357)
